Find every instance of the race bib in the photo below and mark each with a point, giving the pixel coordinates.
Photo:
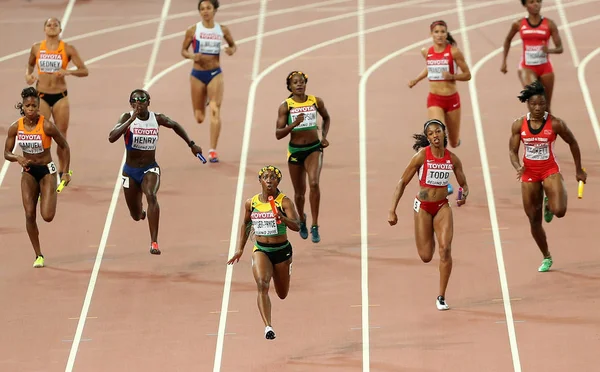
(435, 72)
(265, 226)
(417, 205)
(51, 167)
(535, 56)
(310, 117)
(209, 43)
(537, 152)
(437, 177)
(30, 143)
(50, 63)
(144, 138)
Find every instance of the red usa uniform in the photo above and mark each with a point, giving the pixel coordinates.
(437, 64)
(434, 173)
(539, 159)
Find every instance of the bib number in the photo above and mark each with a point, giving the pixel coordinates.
(535, 57)
(125, 182)
(437, 177)
(51, 167)
(265, 227)
(537, 152)
(436, 72)
(417, 205)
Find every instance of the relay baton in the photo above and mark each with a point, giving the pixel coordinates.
(459, 196)
(202, 158)
(273, 208)
(580, 189)
(62, 184)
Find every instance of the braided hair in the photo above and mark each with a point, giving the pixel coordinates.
(26, 93)
(534, 89)
(271, 168)
(215, 3)
(443, 23)
(288, 79)
(421, 140)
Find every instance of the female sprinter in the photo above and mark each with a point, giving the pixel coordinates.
(435, 165)
(535, 31)
(141, 173)
(442, 59)
(52, 57)
(34, 134)
(207, 78)
(272, 253)
(540, 172)
(298, 115)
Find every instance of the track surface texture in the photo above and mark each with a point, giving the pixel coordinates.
(361, 299)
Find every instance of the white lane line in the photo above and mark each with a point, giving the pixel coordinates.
(361, 37)
(239, 194)
(109, 217)
(587, 97)
(560, 8)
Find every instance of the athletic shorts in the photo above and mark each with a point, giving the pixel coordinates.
(52, 98)
(539, 70)
(446, 103)
(277, 252)
(40, 171)
(137, 174)
(206, 76)
(428, 206)
(539, 175)
(298, 153)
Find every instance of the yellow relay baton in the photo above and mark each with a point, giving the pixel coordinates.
(580, 188)
(62, 184)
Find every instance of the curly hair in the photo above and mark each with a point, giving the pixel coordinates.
(26, 93)
(534, 89)
(271, 168)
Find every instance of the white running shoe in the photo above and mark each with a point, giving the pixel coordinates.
(269, 333)
(441, 304)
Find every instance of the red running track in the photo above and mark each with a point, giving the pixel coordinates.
(162, 313)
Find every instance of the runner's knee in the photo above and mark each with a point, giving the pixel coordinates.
(262, 285)
(199, 115)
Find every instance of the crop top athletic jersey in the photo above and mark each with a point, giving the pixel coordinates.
(142, 134)
(35, 141)
(534, 38)
(207, 40)
(308, 108)
(263, 219)
(538, 143)
(437, 63)
(436, 172)
(51, 61)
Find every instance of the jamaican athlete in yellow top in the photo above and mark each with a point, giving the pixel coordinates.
(263, 219)
(308, 108)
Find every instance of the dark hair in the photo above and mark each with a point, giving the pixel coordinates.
(421, 138)
(215, 3)
(534, 89)
(58, 20)
(443, 23)
(139, 91)
(288, 79)
(26, 93)
(271, 168)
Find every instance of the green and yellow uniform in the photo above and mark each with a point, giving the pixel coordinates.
(297, 154)
(265, 224)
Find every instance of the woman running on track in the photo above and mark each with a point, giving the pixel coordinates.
(443, 59)
(33, 133)
(141, 172)
(434, 164)
(272, 253)
(298, 115)
(535, 31)
(540, 172)
(52, 57)
(207, 77)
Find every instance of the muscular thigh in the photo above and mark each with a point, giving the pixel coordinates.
(554, 187)
(533, 197)
(443, 225)
(262, 269)
(435, 112)
(215, 90)
(60, 113)
(30, 190)
(151, 183)
(424, 233)
(198, 90)
(313, 164)
(527, 76)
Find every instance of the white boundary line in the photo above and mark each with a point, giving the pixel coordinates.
(587, 97)
(560, 8)
(361, 37)
(239, 192)
(64, 22)
(123, 27)
(109, 217)
(487, 180)
(156, 46)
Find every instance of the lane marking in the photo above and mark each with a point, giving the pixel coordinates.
(560, 8)
(585, 90)
(109, 217)
(487, 180)
(361, 38)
